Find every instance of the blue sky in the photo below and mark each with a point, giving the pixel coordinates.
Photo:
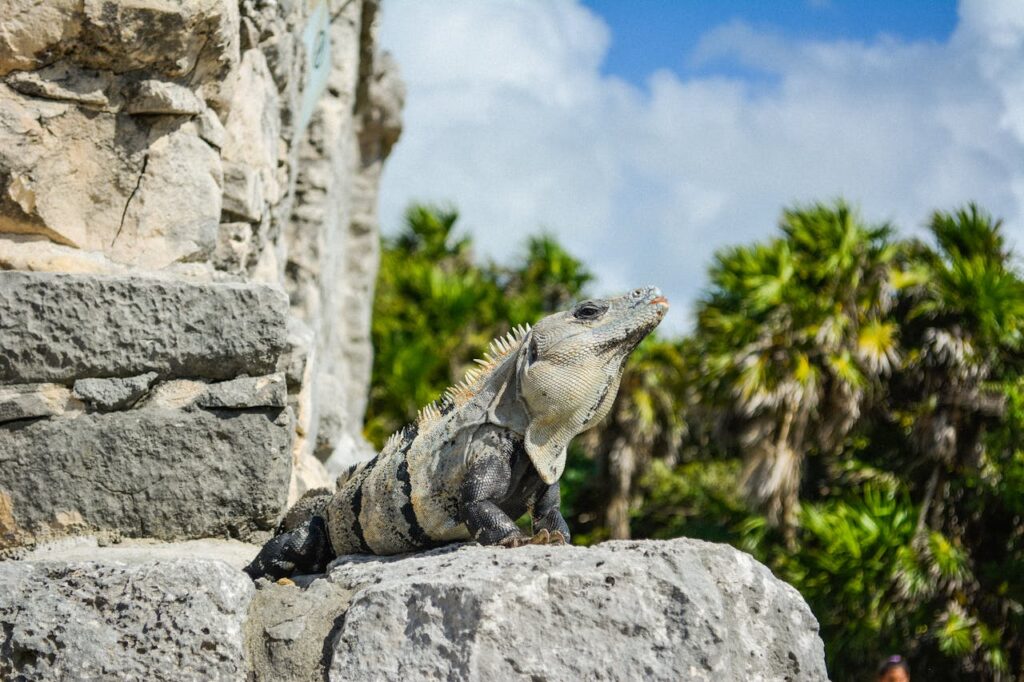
(646, 135)
(647, 35)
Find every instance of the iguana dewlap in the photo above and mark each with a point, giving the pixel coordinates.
(492, 449)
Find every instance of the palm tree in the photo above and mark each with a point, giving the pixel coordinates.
(966, 311)
(795, 337)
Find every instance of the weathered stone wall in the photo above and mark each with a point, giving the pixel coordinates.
(188, 244)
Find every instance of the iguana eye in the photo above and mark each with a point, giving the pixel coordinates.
(587, 311)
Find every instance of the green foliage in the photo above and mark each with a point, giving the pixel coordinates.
(694, 499)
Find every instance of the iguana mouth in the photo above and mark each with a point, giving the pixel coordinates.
(660, 300)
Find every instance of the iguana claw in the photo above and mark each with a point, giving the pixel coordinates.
(541, 537)
(514, 540)
(556, 538)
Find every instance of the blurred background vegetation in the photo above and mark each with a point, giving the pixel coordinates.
(848, 408)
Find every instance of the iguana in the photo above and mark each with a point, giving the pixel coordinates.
(492, 448)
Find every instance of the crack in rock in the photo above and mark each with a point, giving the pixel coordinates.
(124, 213)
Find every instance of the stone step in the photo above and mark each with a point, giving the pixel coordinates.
(61, 327)
(148, 472)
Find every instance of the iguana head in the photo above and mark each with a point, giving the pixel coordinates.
(569, 366)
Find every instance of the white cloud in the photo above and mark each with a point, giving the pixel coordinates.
(509, 118)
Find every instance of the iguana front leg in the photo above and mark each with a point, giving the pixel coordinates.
(486, 483)
(547, 516)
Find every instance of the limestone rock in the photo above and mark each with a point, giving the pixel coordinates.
(348, 451)
(245, 392)
(79, 548)
(210, 128)
(64, 83)
(308, 473)
(171, 38)
(171, 215)
(235, 394)
(36, 253)
(166, 474)
(27, 401)
(61, 327)
(148, 619)
(290, 630)
(243, 192)
(56, 155)
(113, 394)
(162, 97)
(129, 129)
(30, 29)
(178, 394)
(651, 610)
(252, 140)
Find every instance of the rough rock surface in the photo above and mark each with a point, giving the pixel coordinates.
(145, 473)
(652, 610)
(59, 327)
(268, 391)
(27, 401)
(114, 394)
(234, 553)
(132, 618)
(290, 631)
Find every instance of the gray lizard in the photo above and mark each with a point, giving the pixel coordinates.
(490, 450)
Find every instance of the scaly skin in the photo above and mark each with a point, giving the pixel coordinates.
(491, 450)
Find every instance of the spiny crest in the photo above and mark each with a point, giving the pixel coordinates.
(459, 394)
(428, 414)
(393, 440)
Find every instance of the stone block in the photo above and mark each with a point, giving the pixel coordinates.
(143, 619)
(244, 392)
(198, 38)
(55, 153)
(160, 97)
(166, 474)
(57, 327)
(113, 394)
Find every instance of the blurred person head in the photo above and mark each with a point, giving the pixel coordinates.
(893, 669)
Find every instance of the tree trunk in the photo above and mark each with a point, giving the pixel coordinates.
(621, 465)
